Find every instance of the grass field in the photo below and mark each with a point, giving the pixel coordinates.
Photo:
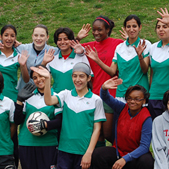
(25, 14)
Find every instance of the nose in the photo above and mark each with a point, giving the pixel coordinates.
(96, 32)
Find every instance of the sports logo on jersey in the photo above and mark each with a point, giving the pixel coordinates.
(52, 167)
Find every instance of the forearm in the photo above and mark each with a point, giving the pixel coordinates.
(25, 73)
(19, 117)
(143, 64)
(13, 129)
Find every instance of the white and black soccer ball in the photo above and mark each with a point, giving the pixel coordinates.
(33, 123)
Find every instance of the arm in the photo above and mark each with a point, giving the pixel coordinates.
(159, 146)
(94, 56)
(13, 129)
(146, 134)
(83, 32)
(86, 159)
(22, 61)
(49, 100)
(144, 62)
(151, 75)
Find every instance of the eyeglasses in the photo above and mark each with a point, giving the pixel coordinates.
(135, 99)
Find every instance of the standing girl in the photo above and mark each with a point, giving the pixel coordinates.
(160, 138)
(159, 57)
(36, 152)
(80, 108)
(8, 128)
(102, 28)
(10, 61)
(62, 64)
(130, 149)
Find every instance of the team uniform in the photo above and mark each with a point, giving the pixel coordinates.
(160, 141)
(9, 68)
(7, 108)
(159, 61)
(105, 50)
(132, 138)
(129, 68)
(61, 68)
(79, 116)
(34, 58)
(41, 152)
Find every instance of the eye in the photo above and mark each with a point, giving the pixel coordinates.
(128, 26)
(134, 26)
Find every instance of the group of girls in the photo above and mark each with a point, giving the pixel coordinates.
(80, 106)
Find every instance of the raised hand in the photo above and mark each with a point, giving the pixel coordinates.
(1, 45)
(112, 83)
(140, 49)
(84, 31)
(22, 59)
(165, 16)
(26, 92)
(41, 71)
(77, 47)
(92, 54)
(17, 43)
(124, 34)
(48, 56)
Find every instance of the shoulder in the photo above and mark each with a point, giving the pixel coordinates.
(116, 40)
(154, 45)
(89, 43)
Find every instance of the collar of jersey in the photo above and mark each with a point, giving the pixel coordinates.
(160, 44)
(72, 55)
(135, 43)
(36, 91)
(1, 96)
(14, 52)
(88, 94)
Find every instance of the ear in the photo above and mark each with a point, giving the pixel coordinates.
(140, 28)
(144, 101)
(107, 31)
(89, 78)
(47, 37)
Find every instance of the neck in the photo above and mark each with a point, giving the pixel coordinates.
(131, 41)
(41, 90)
(39, 48)
(81, 93)
(7, 51)
(66, 52)
(165, 42)
(134, 112)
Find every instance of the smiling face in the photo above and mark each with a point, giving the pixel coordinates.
(39, 38)
(135, 100)
(100, 33)
(8, 38)
(39, 81)
(63, 43)
(162, 31)
(132, 28)
(80, 80)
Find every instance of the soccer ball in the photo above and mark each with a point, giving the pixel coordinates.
(33, 123)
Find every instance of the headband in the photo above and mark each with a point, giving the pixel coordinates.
(82, 67)
(103, 20)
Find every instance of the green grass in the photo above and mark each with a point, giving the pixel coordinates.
(26, 14)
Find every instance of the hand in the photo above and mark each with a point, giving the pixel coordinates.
(84, 31)
(1, 45)
(77, 46)
(22, 59)
(41, 71)
(48, 56)
(112, 83)
(17, 43)
(92, 54)
(124, 34)
(164, 15)
(140, 49)
(119, 164)
(36, 126)
(86, 161)
(26, 92)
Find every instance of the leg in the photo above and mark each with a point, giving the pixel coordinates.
(103, 158)
(7, 161)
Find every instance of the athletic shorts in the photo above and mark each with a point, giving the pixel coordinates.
(6, 160)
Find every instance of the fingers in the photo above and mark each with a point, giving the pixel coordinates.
(51, 51)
